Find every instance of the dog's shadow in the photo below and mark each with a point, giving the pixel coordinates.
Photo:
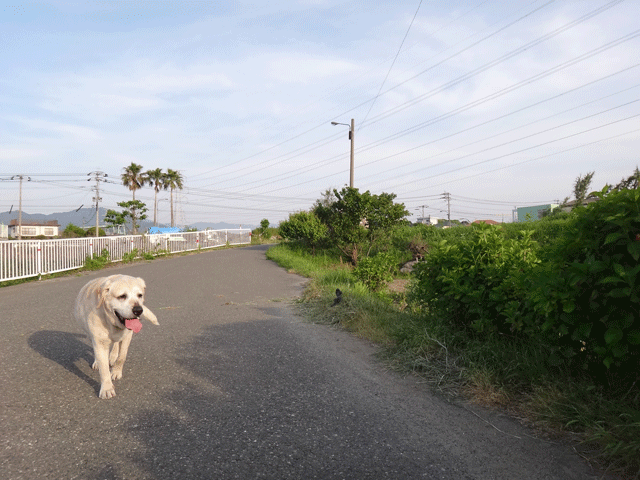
(66, 349)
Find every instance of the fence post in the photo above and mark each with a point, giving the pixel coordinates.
(39, 258)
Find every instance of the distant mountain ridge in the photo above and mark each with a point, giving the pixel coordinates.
(86, 218)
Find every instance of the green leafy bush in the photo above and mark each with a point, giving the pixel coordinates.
(304, 227)
(375, 271)
(73, 231)
(91, 232)
(359, 223)
(475, 283)
(589, 294)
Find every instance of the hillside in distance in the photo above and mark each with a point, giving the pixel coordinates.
(86, 218)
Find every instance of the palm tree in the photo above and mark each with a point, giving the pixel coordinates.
(174, 180)
(133, 178)
(157, 179)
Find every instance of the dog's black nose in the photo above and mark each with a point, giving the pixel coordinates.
(137, 310)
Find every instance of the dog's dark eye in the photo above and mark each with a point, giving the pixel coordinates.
(123, 296)
(139, 295)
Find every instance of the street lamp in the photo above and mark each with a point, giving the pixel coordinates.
(351, 135)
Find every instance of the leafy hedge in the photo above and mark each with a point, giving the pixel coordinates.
(576, 290)
(474, 283)
(588, 294)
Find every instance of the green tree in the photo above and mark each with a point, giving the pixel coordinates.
(136, 210)
(173, 181)
(264, 227)
(91, 232)
(115, 219)
(357, 222)
(581, 186)
(629, 183)
(73, 231)
(328, 197)
(158, 180)
(304, 227)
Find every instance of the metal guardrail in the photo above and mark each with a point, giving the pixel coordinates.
(32, 258)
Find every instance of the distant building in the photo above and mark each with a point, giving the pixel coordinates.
(572, 204)
(529, 214)
(430, 220)
(34, 229)
(4, 231)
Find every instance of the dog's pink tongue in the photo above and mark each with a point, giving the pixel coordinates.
(133, 324)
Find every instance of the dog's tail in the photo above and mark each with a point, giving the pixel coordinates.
(149, 316)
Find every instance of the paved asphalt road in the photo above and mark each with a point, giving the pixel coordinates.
(233, 385)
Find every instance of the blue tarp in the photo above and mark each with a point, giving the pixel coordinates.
(153, 230)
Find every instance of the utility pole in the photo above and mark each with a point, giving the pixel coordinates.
(447, 196)
(20, 205)
(98, 177)
(352, 132)
(351, 135)
(422, 207)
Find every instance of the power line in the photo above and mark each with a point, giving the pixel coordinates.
(421, 73)
(363, 121)
(513, 87)
(538, 158)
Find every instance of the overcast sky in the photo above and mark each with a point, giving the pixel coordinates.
(501, 103)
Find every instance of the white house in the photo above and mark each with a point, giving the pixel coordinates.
(34, 229)
(430, 220)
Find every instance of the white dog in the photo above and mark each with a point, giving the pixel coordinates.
(109, 309)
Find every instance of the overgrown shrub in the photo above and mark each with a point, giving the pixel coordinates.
(375, 271)
(582, 300)
(588, 295)
(304, 227)
(475, 283)
(73, 231)
(91, 232)
(545, 232)
(360, 223)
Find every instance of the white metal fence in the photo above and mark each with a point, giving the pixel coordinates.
(31, 258)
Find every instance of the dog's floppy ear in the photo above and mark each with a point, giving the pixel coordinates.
(103, 290)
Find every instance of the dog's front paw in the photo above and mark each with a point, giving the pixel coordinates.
(107, 391)
(95, 365)
(116, 374)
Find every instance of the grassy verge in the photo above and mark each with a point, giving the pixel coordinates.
(501, 371)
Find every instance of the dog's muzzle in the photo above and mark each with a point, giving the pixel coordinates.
(137, 311)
